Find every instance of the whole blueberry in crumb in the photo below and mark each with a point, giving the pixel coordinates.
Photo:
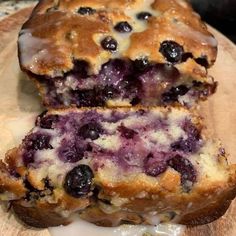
(86, 11)
(181, 90)
(48, 122)
(126, 132)
(87, 98)
(108, 92)
(131, 85)
(172, 51)
(144, 15)
(78, 181)
(187, 145)
(155, 165)
(202, 61)
(123, 27)
(70, 152)
(173, 94)
(109, 44)
(37, 141)
(81, 68)
(39, 117)
(91, 130)
(185, 168)
(141, 64)
(135, 101)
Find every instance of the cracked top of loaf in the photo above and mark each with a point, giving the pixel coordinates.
(59, 32)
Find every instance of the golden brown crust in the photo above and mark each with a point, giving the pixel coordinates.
(207, 213)
(39, 217)
(35, 216)
(10, 183)
(8, 176)
(211, 212)
(56, 34)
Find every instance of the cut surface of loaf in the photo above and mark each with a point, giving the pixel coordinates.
(117, 53)
(113, 166)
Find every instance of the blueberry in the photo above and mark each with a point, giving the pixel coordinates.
(126, 132)
(180, 90)
(141, 64)
(191, 130)
(197, 83)
(39, 117)
(187, 145)
(186, 56)
(109, 43)
(123, 27)
(173, 93)
(131, 85)
(144, 15)
(86, 11)
(81, 68)
(70, 152)
(87, 98)
(135, 101)
(155, 165)
(37, 141)
(202, 61)
(172, 51)
(90, 130)
(78, 181)
(185, 168)
(190, 144)
(48, 122)
(109, 92)
(28, 157)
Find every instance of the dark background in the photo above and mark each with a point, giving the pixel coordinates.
(221, 14)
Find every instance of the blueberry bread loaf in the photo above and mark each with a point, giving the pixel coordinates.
(110, 166)
(117, 53)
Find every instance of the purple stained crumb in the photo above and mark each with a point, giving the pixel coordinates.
(191, 143)
(139, 82)
(126, 132)
(28, 157)
(80, 130)
(37, 141)
(185, 168)
(34, 142)
(70, 151)
(155, 164)
(48, 122)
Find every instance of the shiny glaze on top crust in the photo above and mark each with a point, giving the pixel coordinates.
(60, 32)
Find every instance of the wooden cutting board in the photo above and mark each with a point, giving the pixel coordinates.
(219, 112)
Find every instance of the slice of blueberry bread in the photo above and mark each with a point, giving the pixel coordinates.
(117, 53)
(113, 166)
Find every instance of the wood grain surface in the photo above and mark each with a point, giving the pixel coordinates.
(219, 113)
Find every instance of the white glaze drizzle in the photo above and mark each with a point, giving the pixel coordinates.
(80, 227)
